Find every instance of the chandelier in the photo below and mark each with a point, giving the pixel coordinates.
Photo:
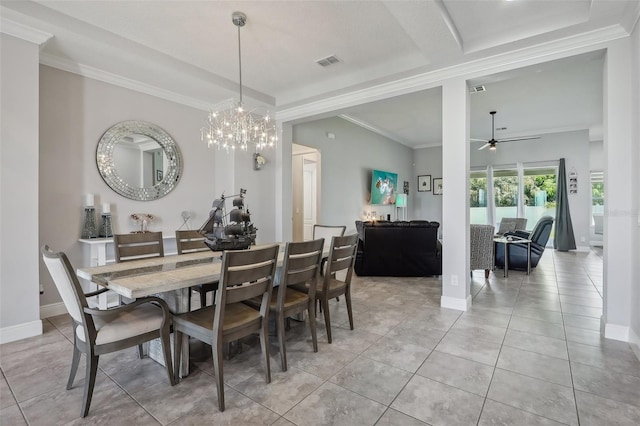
(235, 127)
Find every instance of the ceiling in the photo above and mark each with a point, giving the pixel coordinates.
(187, 50)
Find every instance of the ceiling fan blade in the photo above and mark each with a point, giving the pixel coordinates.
(486, 145)
(519, 139)
(477, 140)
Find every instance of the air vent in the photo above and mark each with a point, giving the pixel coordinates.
(329, 60)
(477, 89)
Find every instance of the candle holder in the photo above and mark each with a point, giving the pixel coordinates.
(105, 228)
(89, 228)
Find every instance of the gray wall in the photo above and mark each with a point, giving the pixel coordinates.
(75, 112)
(573, 147)
(19, 255)
(426, 205)
(346, 165)
(635, 184)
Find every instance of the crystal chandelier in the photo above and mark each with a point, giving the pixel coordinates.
(235, 127)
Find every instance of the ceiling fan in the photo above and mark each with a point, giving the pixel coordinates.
(491, 144)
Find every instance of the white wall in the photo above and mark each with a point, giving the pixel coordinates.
(19, 248)
(573, 147)
(426, 205)
(75, 112)
(347, 162)
(635, 189)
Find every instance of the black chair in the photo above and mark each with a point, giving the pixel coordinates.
(518, 252)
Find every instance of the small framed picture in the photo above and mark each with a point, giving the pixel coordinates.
(158, 175)
(424, 183)
(437, 186)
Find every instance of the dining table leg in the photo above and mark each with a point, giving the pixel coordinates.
(178, 302)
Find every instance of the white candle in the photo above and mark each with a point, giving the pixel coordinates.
(106, 208)
(88, 200)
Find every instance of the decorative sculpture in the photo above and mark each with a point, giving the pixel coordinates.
(229, 231)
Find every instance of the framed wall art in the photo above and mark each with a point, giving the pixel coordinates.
(424, 183)
(437, 186)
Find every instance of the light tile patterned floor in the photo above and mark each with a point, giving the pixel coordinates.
(528, 352)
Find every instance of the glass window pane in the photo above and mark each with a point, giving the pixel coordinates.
(505, 189)
(540, 186)
(478, 197)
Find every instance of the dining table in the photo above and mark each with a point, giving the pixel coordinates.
(168, 277)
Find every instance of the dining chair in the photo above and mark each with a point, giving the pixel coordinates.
(99, 332)
(136, 246)
(244, 275)
(327, 232)
(301, 267)
(190, 242)
(342, 255)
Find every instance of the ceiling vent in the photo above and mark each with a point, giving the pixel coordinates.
(477, 89)
(329, 60)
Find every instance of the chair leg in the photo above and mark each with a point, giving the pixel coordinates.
(165, 341)
(203, 298)
(312, 325)
(177, 354)
(327, 320)
(281, 338)
(140, 351)
(216, 349)
(264, 343)
(74, 366)
(89, 383)
(486, 273)
(347, 298)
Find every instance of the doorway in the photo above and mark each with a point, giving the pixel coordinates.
(306, 191)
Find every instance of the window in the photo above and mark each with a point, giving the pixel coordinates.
(505, 190)
(478, 197)
(540, 188)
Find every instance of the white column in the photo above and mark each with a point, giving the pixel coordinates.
(619, 195)
(19, 146)
(455, 201)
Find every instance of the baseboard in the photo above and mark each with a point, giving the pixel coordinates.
(20, 331)
(615, 331)
(52, 310)
(455, 303)
(583, 249)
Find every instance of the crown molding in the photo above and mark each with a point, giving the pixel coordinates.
(556, 49)
(374, 129)
(23, 32)
(117, 80)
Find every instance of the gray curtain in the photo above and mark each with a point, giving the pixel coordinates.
(564, 239)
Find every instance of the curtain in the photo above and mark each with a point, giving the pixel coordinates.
(564, 239)
(520, 208)
(491, 201)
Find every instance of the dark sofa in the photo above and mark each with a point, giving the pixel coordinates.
(398, 249)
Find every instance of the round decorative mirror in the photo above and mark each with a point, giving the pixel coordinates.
(139, 160)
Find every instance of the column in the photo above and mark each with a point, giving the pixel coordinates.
(455, 202)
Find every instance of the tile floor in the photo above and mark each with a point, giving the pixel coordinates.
(529, 352)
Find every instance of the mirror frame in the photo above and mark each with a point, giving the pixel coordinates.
(108, 172)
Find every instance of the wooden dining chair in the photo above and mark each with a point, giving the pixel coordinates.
(327, 232)
(99, 332)
(300, 268)
(342, 255)
(244, 275)
(138, 246)
(193, 241)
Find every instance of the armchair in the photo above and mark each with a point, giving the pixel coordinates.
(518, 252)
(99, 332)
